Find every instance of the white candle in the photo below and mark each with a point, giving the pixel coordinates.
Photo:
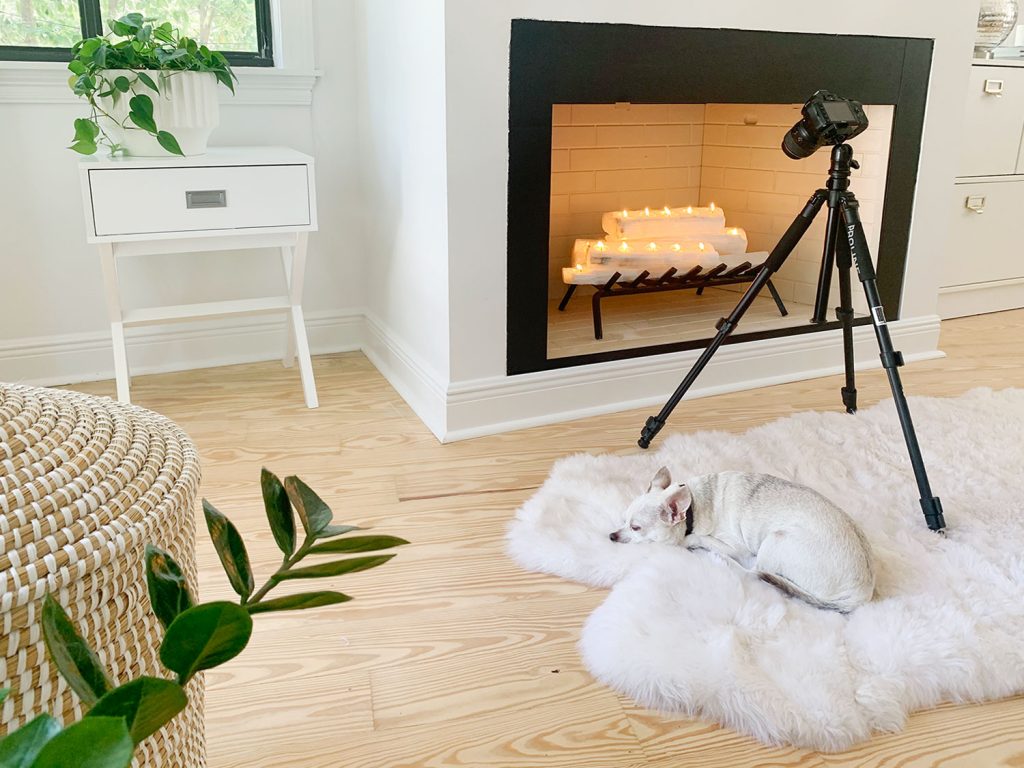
(647, 211)
(600, 245)
(625, 213)
(676, 247)
(689, 210)
(701, 246)
(667, 211)
(652, 246)
(712, 206)
(624, 247)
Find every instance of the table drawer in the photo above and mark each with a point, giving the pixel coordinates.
(984, 223)
(137, 201)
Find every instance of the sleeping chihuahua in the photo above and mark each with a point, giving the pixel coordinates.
(795, 538)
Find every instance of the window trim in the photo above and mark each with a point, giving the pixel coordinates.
(92, 26)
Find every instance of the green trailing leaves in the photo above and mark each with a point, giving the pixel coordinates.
(279, 511)
(86, 132)
(74, 658)
(21, 747)
(335, 568)
(142, 113)
(299, 602)
(95, 742)
(231, 551)
(168, 142)
(148, 81)
(168, 593)
(146, 704)
(357, 544)
(313, 512)
(331, 531)
(205, 636)
(122, 83)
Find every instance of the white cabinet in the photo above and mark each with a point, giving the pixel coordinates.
(982, 270)
(993, 122)
(228, 199)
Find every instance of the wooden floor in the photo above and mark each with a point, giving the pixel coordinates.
(451, 655)
(659, 318)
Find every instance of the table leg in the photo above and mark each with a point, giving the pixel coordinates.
(287, 253)
(298, 323)
(109, 264)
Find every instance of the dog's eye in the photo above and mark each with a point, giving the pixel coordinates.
(635, 527)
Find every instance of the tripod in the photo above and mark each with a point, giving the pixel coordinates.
(845, 246)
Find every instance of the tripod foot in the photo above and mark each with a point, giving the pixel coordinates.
(850, 399)
(651, 429)
(933, 513)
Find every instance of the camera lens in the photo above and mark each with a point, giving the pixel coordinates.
(798, 142)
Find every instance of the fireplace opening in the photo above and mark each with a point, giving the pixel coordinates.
(615, 161)
(666, 211)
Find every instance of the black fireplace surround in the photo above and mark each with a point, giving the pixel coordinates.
(569, 63)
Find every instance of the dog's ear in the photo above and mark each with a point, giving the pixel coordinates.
(674, 507)
(661, 481)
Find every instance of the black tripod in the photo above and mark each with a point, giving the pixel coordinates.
(845, 245)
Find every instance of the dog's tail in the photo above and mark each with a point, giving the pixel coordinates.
(794, 590)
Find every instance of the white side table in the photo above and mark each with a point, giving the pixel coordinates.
(229, 198)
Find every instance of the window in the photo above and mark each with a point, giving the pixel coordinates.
(45, 30)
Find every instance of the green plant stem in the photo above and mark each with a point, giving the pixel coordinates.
(286, 565)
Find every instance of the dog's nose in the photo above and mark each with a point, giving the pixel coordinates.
(614, 535)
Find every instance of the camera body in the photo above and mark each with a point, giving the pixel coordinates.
(827, 119)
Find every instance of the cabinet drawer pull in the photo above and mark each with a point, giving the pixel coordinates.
(206, 198)
(994, 87)
(975, 203)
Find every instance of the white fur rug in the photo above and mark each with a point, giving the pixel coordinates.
(686, 632)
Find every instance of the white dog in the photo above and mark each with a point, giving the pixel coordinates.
(795, 538)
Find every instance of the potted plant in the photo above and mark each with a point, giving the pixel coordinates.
(151, 91)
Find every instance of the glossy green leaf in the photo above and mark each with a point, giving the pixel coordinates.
(168, 592)
(21, 747)
(357, 544)
(224, 79)
(141, 104)
(147, 704)
(205, 636)
(231, 551)
(84, 147)
(93, 742)
(75, 660)
(337, 530)
(168, 142)
(313, 512)
(122, 83)
(145, 122)
(121, 29)
(147, 80)
(279, 511)
(77, 67)
(336, 568)
(86, 130)
(299, 602)
(133, 20)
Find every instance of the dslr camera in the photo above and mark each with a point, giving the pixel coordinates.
(827, 119)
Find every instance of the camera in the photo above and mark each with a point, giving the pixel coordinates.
(827, 119)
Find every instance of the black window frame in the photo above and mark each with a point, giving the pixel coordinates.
(92, 25)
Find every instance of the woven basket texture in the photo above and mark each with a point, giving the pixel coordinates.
(85, 484)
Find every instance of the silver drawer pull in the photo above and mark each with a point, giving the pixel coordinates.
(206, 198)
(975, 203)
(994, 87)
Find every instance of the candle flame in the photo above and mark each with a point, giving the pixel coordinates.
(600, 245)
(701, 246)
(689, 209)
(579, 267)
(624, 247)
(652, 246)
(647, 211)
(667, 211)
(625, 213)
(735, 231)
(676, 247)
(712, 206)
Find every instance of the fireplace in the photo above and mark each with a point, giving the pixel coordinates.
(647, 159)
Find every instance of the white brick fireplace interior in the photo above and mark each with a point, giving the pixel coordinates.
(434, 148)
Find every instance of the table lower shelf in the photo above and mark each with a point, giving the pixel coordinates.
(201, 311)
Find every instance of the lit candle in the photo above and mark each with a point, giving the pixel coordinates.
(734, 231)
(676, 247)
(652, 246)
(579, 267)
(701, 246)
(712, 206)
(625, 213)
(624, 247)
(647, 211)
(600, 245)
(689, 209)
(667, 211)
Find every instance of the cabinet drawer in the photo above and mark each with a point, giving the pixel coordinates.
(983, 246)
(993, 121)
(136, 201)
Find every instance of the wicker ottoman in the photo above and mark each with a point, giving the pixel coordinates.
(85, 484)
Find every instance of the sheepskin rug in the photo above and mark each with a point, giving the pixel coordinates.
(689, 633)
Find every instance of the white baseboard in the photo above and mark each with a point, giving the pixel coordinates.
(74, 358)
(500, 404)
(979, 298)
(466, 409)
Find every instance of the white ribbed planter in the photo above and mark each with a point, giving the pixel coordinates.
(186, 107)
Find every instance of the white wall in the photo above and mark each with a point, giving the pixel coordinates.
(401, 97)
(53, 325)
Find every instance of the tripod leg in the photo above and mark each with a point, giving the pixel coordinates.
(853, 231)
(726, 325)
(844, 312)
(827, 260)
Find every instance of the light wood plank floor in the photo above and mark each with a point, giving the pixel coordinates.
(451, 655)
